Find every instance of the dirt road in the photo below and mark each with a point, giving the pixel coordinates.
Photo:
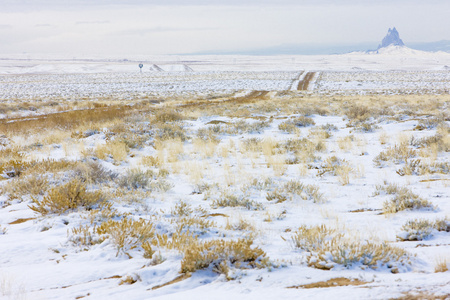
(303, 84)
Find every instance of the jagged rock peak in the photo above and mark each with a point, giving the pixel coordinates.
(392, 38)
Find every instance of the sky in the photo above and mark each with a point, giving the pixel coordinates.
(134, 27)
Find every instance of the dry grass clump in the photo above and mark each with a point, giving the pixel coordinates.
(430, 123)
(420, 229)
(151, 161)
(416, 230)
(243, 127)
(292, 125)
(189, 219)
(293, 189)
(69, 196)
(327, 248)
(167, 115)
(336, 167)
(128, 234)
(135, 179)
(440, 141)
(30, 185)
(115, 150)
(397, 154)
(209, 134)
(442, 264)
(93, 172)
(171, 131)
(303, 149)
(403, 199)
(417, 167)
(13, 167)
(229, 200)
(222, 255)
(359, 113)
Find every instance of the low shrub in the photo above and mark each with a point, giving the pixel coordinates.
(135, 179)
(291, 126)
(69, 196)
(403, 199)
(327, 248)
(222, 255)
(397, 154)
(228, 200)
(416, 230)
(128, 234)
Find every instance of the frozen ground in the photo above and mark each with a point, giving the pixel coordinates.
(40, 260)
(394, 71)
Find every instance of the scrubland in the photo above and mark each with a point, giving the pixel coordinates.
(263, 194)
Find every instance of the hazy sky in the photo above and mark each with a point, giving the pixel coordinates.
(121, 27)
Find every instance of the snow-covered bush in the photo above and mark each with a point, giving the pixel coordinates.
(327, 248)
(416, 230)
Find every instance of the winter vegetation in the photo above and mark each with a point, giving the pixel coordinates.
(110, 188)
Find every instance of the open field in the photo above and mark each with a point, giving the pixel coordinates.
(174, 185)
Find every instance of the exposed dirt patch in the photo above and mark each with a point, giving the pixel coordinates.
(177, 279)
(339, 281)
(20, 221)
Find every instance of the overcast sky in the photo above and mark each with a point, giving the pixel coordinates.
(128, 27)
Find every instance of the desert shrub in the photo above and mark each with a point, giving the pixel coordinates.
(440, 140)
(135, 179)
(396, 154)
(290, 126)
(195, 223)
(365, 127)
(169, 131)
(293, 189)
(334, 166)
(128, 234)
(442, 225)
(358, 113)
(222, 255)
(29, 185)
(168, 115)
(329, 128)
(13, 168)
(209, 134)
(151, 161)
(51, 165)
(327, 248)
(94, 172)
(115, 150)
(429, 123)
(84, 237)
(252, 144)
(417, 167)
(303, 149)
(403, 199)
(416, 230)
(228, 200)
(242, 127)
(69, 196)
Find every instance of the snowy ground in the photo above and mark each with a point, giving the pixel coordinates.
(41, 257)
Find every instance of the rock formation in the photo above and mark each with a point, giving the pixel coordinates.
(392, 38)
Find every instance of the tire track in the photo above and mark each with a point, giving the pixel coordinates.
(297, 78)
(304, 84)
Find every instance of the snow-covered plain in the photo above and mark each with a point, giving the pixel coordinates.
(40, 260)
